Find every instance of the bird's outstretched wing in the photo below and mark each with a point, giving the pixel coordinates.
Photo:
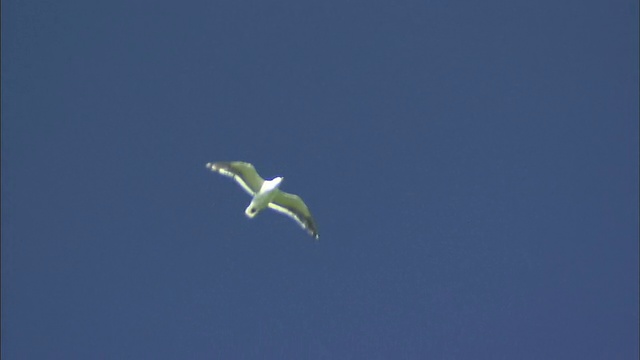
(243, 173)
(293, 206)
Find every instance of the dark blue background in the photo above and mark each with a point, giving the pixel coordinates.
(472, 167)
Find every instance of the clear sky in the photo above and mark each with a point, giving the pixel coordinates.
(472, 168)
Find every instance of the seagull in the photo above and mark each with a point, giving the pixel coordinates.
(266, 194)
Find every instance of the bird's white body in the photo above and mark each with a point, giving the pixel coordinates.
(261, 200)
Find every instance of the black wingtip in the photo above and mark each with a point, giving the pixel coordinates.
(211, 166)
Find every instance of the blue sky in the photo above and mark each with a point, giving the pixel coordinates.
(472, 167)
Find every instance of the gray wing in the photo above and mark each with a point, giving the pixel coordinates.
(293, 206)
(243, 173)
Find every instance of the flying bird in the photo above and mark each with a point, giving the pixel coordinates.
(266, 193)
